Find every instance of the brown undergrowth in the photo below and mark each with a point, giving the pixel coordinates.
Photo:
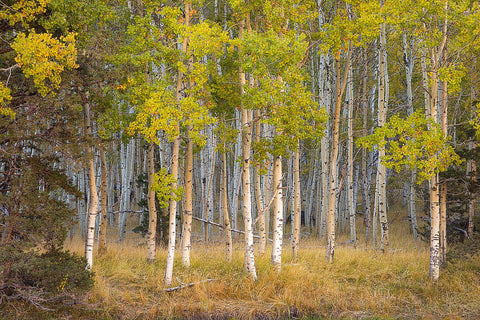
(362, 284)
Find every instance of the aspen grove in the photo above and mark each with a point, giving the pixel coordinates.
(254, 126)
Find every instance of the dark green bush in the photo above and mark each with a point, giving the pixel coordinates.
(52, 273)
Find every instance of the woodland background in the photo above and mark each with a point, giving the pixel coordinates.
(262, 151)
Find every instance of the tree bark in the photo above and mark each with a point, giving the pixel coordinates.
(409, 60)
(277, 213)
(172, 227)
(434, 183)
(226, 217)
(472, 174)
(297, 203)
(350, 179)
(258, 193)
(382, 113)
(443, 185)
(366, 186)
(152, 211)
(102, 241)
(246, 189)
(188, 206)
(93, 201)
(332, 189)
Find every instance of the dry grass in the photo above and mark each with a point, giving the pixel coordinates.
(361, 284)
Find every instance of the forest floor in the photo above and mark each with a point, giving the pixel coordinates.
(362, 283)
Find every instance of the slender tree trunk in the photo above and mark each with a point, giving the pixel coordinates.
(443, 185)
(434, 228)
(277, 213)
(127, 183)
(297, 203)
(366, 186)
(382, 112)
(236, 174)
(172, 227)
(423, 62)
(435, 233)
(434, 185)
(270, 188)
(409, 60)
(258, 193)
(152, 211)
(93, 201)
(472, 174)
(324, 156)
(226, 217)
(188, 206)
(247, 194)
(350, 155)
(102, 241)
(210, 152)
(443, 223)
(332, 189)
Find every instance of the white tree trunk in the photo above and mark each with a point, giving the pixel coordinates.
(297, 203)
(247, 194)
(472, 174)
(172, 223)
(350, 201)
(102, 241)
(172, 226)
(409, 59)
(258, 193)
(443, 185)
(246, 131)
(332, 188)
(434, 228)
(434, 181)
(382, 115)
(236, 173)
(226, 217)
(152, 211)
(93, 200)
(127, 184)
(278, 213)
(188, 206)
(211, 155)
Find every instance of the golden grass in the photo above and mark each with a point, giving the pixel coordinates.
(362, 284)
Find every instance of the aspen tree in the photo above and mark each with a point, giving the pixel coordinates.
(332, 187)
(350, 178)
(365, 179)
(152, 211)
(382, 115)
(443, 185)
(472, 170)
(353, 25)
(102, 241)
(93, 202)
(246, 130)
(226, 215)
(258, 193)
(271, 58)
(297, 203)
(409, 60)
(188, 211)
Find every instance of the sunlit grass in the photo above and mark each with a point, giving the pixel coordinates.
(363, 283)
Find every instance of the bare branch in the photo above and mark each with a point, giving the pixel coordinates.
(186, 285)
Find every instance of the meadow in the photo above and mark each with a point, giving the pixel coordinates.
(362, 283)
